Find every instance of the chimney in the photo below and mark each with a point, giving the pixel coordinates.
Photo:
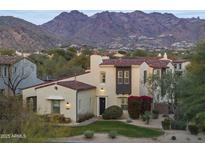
(165, 55)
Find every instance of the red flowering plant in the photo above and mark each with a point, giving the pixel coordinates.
(138, 105)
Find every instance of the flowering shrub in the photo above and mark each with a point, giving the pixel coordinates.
(138, 105)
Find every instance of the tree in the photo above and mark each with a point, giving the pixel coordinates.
(193, 86)
(7, 52)
(15, 78)
(164, 87)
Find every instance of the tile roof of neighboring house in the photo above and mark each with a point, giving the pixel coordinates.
(179, 61)
(122, 62)
(152, 62)
(157, 63)
(54, 81)
(75, 85)
(9, 59)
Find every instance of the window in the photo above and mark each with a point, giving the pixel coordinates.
(180, 66)
(175, 66)
(126, 77)
(5, 71)
(56, 106)
(145, 77)
(124, 103)
(102, 77)
(120, 77)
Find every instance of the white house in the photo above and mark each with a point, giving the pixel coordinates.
(108, 82)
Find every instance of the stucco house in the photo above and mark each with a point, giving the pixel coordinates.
(16, 73)
(109, 82)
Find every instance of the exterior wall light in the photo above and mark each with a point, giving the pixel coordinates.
(102, 89)
(68, 106)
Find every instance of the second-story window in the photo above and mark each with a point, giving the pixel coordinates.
(120, 77)
(126, 77)
(102, 77)
(145, 77)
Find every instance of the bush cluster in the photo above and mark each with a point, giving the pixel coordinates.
(112, 112)
(193, 128)
(138, 105)
(89, 134)
(55, 118)
(166, 123)
(112, 134)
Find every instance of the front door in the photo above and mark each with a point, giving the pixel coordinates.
(102, 105)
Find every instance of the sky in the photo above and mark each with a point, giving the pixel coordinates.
(39, 17)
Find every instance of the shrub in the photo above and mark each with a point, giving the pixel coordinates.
(193, 128)
(138, 105)
(173, 138)
(89, 134)
(178, 125)
(166, 123)
(155, 114)
(129, 120)
(200, 120)
(112, 112)
(112, 134)
(134, 107)
(84, 117)
(146, 117)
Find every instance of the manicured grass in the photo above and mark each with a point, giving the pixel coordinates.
(121, 127)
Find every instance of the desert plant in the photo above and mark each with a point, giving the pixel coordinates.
(89, 134)
(129, 120)
(112, 112)
(166, 123)
(173, 138)
(146, 117)
(193, 128)
(178, 125)
(112, 134)
(155, 114)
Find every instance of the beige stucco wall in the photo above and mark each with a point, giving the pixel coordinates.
(44, 105)
(86, 102)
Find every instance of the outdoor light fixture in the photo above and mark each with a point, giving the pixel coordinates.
(102, 89)
(68, 105)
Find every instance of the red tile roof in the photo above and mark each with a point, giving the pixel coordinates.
(122, 62)
(152, 62)
(75, 85)
(9, 59)
(54, 81)
(179, 61)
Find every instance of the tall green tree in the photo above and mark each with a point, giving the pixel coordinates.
(193, 86)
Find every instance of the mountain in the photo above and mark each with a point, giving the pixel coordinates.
(131, 30)
(105, 29)
(19, 34)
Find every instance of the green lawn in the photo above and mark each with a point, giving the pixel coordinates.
(46, 133)
(121, 127)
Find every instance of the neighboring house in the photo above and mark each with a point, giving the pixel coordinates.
(109, 82)
(16, 73)
(180, 66)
